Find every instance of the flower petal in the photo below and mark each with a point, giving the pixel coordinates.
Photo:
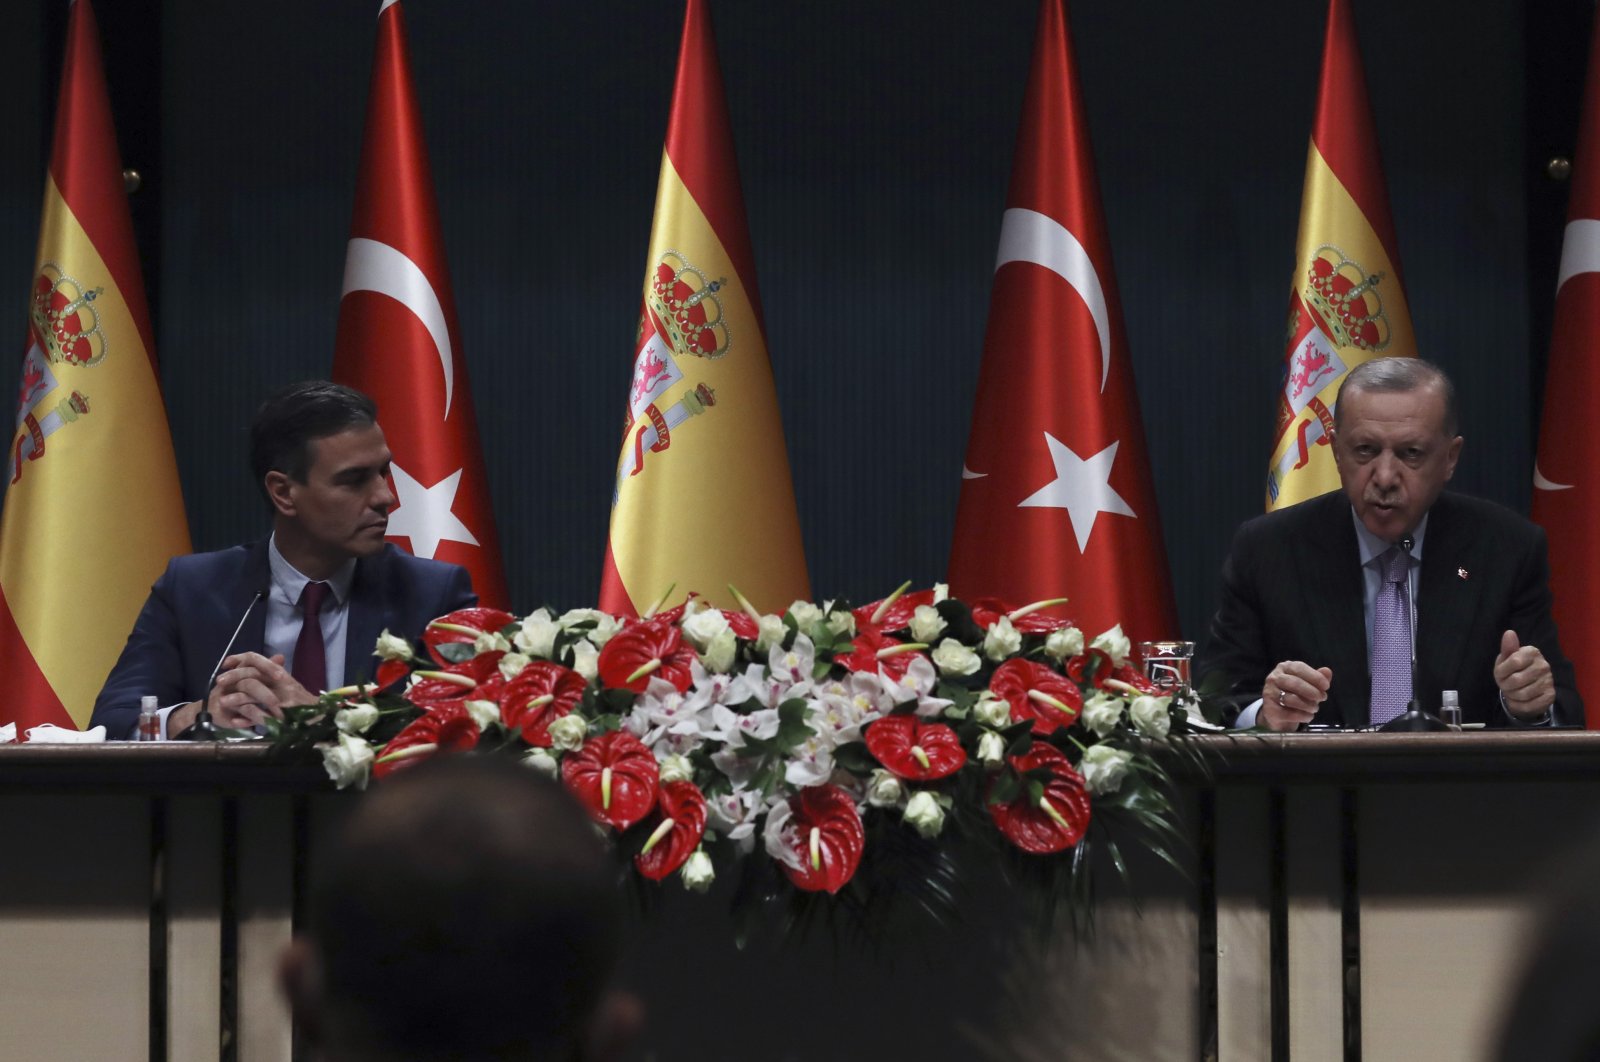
(895, 742)
(614, 776)
(685, 806)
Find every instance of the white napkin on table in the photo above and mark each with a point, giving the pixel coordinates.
(50, 734)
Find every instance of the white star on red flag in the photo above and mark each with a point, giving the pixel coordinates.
(1082, 487)
(425, 514)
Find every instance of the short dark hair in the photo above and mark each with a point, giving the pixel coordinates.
(1392, 375)
(288, 421)
(467, 909)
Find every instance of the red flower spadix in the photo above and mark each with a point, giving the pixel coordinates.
(682, 824)
(644, 650)
(1035, 692)
(463, 626)
(867, 654)
(478, 679)
(896, 617)
(828, 838)
(614, 776)
(917, 751)
(537, 696)
(1053, 821)
(447, 729)
(986, 611)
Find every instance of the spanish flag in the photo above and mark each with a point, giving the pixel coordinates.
(702, 497)
(92, 509)
(1347, 303)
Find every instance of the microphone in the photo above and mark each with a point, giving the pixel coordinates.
(1415, 717)
(203, 729)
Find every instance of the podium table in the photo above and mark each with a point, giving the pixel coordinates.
(1348, 896)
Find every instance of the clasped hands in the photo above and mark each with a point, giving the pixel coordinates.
(1294, 689)
(249, 688)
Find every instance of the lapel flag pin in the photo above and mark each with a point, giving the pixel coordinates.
(1461, 573)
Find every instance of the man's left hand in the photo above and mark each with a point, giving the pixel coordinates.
(1524, 678)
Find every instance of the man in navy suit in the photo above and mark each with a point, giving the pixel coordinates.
(319, 455)
(1294, 633)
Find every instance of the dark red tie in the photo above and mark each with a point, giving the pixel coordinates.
(310, 655)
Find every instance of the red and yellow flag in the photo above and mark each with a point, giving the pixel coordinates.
(702, 494)
(1347, 303)
(92, 506)
(1566, 494)
(397, 336)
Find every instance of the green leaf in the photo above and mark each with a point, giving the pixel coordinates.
(793, 730)
(456, 652)
(1007, 787)
(854, 757)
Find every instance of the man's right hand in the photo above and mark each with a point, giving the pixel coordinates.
(1292, 693)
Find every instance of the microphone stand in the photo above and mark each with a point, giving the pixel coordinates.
(1415, 719)
(203, 728)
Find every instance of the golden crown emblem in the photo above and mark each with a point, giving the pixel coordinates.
(686, 303)
(64, 319)
(1346, 297)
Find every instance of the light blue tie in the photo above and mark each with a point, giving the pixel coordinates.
(1391, 639)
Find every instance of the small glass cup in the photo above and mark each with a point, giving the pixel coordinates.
(1166, 665)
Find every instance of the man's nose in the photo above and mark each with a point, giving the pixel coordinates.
(1386, 470)
(383, 498)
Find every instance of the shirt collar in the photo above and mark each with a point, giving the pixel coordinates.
(288, 580)
(1372, 547)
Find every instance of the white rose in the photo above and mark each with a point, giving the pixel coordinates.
(567, 733)
(773, 632)
(1102, 713)
(585, 659)
(842, 623)
(393, 647)
(541, 761)
(604, 625)
(992, 711)
(537, 636)
(1068, 641)
(704, 626)
(924, 814)
(490, 642)
(512, 663)
(884, 790)
(941, 592)
(349, 762)
(484, 713)
(1114, 644)
(574, 616)
(1150, 715)
(1103, 768)
(953, 658)
(676, 768)
(1002, 639)
(719, 655)
(698, 873)
(926, 624)
(991, 749)
(805, 614)
(356, 720)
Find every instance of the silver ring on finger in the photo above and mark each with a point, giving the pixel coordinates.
(1283, 698)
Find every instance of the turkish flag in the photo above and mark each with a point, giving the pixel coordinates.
(1566, 494)
(398, 338)
(1056, 498)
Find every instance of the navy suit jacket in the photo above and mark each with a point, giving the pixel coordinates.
(1292, 590)
(195, 605)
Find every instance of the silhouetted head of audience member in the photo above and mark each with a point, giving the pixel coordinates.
(466, 909)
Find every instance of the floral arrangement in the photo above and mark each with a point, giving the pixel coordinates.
(705, 739)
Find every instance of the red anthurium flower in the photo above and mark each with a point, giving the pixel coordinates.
(896, 617)
(478, 679)
(683, 823)
(1035, 692)
(1078, 667)
(743, 626)
(1054, 821)
(1135, 678)
(987, 610)
(914, 750)
(537, 696)
(391, 671)
(646, 649)
(614, 776)
(446, 729)
(463, 625)
(829, 838)
(871, 650)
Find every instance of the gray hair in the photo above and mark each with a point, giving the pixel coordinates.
(1392, 375)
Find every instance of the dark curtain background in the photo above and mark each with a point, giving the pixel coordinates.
(875, 142)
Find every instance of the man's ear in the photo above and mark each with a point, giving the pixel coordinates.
(614, 1025)
(301, 984)
(279, 491)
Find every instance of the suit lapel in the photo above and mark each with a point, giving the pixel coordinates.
(1330, 566)
(1445, 600)
(369, 610)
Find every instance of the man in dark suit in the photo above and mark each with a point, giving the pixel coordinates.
(320, 457)
(1305, 630)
